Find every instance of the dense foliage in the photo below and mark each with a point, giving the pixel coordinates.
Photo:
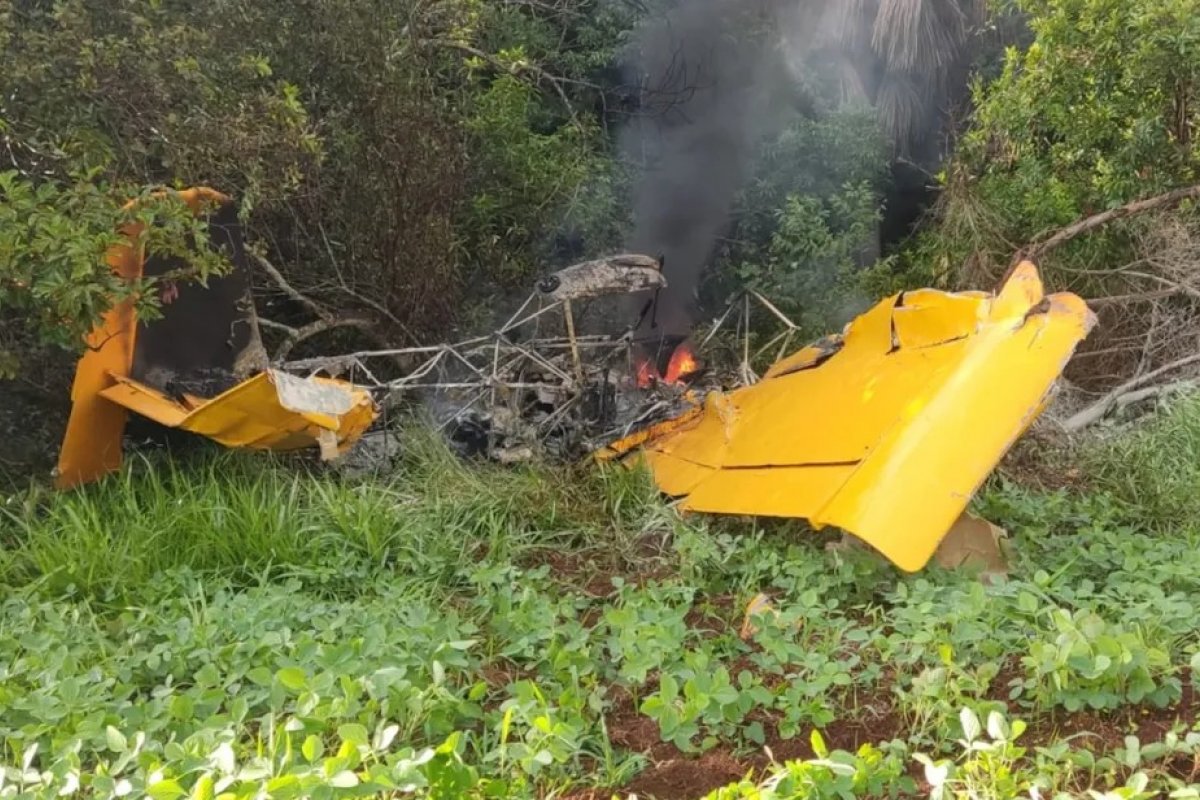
(53, 242)
(382, 155)
(412, 163)
(1099, 110)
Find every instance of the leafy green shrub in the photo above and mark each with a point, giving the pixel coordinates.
(647, 631)
(806, 223)
(1085, 661)
(1097, 111)
(932, 700)
(701, 698)
(868, 772)
(54, 282)
(387, 160)
(812, 264)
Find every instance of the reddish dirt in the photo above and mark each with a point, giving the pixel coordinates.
(712, 617)
(687, 777)
(1105, 730)
(594, 574)
(674, 775)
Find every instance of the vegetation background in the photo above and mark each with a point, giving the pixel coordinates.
(415, 164)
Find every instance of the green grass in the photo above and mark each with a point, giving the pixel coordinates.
(230, 626)
(1152, 466)
(245, 517)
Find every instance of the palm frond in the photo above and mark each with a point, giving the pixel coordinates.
(921, 35)
(902, 109)
(849, 22)
(853, 91)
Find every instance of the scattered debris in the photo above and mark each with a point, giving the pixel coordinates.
(271, 411)
(759, 604)
(884, 431)
(975, 544)
(621, 274)
(539, 386)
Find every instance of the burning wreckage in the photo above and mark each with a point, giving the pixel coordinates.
(884, 431)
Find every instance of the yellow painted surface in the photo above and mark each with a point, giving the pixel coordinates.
(889, 437)
(248, 415)
(92, 442)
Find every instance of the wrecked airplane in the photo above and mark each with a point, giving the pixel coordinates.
(884, 431)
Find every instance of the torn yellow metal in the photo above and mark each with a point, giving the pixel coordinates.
(886, 432)
(271, 410)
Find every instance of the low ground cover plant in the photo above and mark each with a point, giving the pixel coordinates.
(228, 627)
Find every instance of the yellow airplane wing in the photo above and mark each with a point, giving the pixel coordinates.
(888, 433)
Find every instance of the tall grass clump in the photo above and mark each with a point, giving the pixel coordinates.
(1153, 466)
(246, 516)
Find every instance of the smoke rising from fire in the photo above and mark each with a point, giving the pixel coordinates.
(712, 74)
(717, 76)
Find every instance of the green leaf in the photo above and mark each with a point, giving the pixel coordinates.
(166, 790)
(115, 739)
(293, 678)
(970, 724)
(203, 790)
(344, 780)
(182, 708)
(354, 733)
(312, 749)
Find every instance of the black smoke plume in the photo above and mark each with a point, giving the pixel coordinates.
(700, 66)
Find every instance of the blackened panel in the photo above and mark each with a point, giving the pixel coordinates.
(195, 345)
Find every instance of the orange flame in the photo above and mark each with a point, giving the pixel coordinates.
(683, 363)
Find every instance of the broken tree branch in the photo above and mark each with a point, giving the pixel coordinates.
(1040, 247)
(326, 319)
(1138, 297)
(1153, 391)
(288, 289)
(1096, 412)
(297, 335)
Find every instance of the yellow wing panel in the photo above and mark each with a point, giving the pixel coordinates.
(890, 436)
(250, 414)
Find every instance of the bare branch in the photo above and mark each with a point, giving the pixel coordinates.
(278, 326)
(1095, 412)
(290, 290)
(1136, 297)
(1039, 248)
(310, 330)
